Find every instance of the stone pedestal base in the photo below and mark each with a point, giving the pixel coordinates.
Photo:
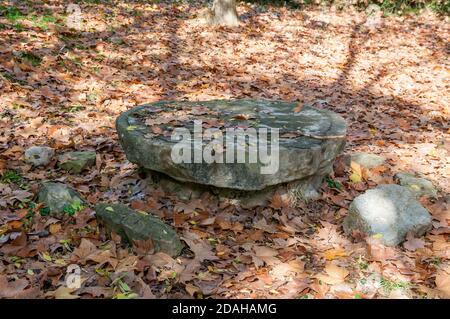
(301, 190)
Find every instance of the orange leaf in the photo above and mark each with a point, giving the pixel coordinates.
(54, 228)
(21, 213)
(298, 108)
(15, 224)
(334, 253)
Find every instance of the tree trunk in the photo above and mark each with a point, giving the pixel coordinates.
(224, 13)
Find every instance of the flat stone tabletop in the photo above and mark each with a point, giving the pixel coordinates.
(309, 139)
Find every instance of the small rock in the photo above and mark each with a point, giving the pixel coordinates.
(59, 198)
(132, 226)
(368, 160)
(417, 185)
(388, 211)
(76, 162)
(39, 155)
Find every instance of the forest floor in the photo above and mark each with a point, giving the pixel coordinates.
(64, 88)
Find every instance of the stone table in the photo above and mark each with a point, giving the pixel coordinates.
(304, 142)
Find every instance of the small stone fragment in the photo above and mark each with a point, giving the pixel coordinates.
(368, 160)
(76, 162)
(59, 198)
(417, 185)
(132, 226)
(39, 155)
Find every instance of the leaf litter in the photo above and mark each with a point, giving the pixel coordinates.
(77, 82)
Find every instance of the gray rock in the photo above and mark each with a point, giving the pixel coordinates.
(131, 226)
(309, 141)
(417, 185)
(368, 160)
(39, 155)
(59, 198)
(76, 162)
(390, 211)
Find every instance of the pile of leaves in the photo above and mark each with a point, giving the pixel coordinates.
(64, 88)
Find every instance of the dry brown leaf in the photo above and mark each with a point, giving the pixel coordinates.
(102, 257)
(143, 247)
(201, 249)
(63, 293)
(334, 253)
(191, 289)
(127, 264)
(160, 259)
(85, 249)
(13, 288)
(279, 201)
(333, 274)
(262, 224)
(443, 282)
(321, 289)
(243, 117)
(290, 269)
(54, 228)
(264, 254)
(412, 243)
(378, 251)
(264, 251)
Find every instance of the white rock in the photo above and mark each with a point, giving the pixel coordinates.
(39, 155)
(389, 211)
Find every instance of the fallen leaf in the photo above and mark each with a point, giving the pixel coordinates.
(201, 249)
(62, 293)
(13, 288)
(263, 225)
(242, 117)
(442, 281)
(334, 253)
(412, 244)
(379, 252)
(144, 247)
(54, 228)
(191, 289)
(282, 271)
(320, 288)
(85, 249)
(127, 264)
(266, 255)
(298, 108)
(333, 274)
(279, 201)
